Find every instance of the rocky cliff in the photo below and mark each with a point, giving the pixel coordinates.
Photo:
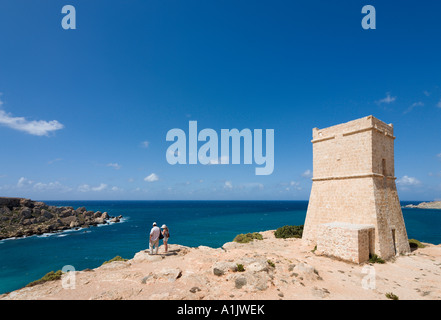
(426, 205)
(23, 217)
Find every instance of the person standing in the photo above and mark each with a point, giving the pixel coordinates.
(154, 238)
(166, 234)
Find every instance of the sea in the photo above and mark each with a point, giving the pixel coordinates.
(191, 223)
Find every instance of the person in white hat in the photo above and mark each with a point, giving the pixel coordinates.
(166, 234)
(154, 238)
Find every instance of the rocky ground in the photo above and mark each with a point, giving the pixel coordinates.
(273, 269)
(426, 205)
(23, 217)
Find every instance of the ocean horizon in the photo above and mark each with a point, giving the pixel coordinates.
(191, 223)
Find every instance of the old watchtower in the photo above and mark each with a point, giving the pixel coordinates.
(354, 208)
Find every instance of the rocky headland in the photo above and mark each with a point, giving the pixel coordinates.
(425, 205)
(21, 217)
(271, 268)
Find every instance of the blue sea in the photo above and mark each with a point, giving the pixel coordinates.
(191, 223)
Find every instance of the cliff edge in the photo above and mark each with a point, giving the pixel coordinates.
(262, 269)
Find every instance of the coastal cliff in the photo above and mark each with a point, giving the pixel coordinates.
(426, 205)
(271, 268)
(23, 217)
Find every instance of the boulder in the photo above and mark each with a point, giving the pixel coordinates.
(46, 214)
(26, 213)
(68, 220)
(105, 216)
(26, 203)
(240, 282)
(221, 267)
(97, 214)
(66, 213)
(80, 210)
(99, 220)
(5, 211)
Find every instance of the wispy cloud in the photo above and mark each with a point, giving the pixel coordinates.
(413, 106)
(439, 104)
(145, 144)
(34, 127)
(408, 181)
(387, 100)
(116, 166)
(228, 185)
(55, 160)
(23, 182)
(307, 174)
(51, 186)
(151, 178)
(87, 188)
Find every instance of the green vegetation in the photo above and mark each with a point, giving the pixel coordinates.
(47, 277)
(240, 267)
(315, 248)
(117, 258)
(245, 238)
(392, 296)
(289, 232)
(414, 244)
(271, 263)
(373, 258)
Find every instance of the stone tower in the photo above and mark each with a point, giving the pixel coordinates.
(354, 208)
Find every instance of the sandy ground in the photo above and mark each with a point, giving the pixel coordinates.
(274, 269)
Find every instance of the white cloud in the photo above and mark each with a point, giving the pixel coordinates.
(116, 166)
(228, 185)
(87, 188)
(408, 181)
(22, 182)
(307, 174)
(439, 104)
(37, 128)
(39, 186)
(439, 155)
(101, 187)
(426, 93)
(151, 178)
(388, 99)
(145, 144)
(414, 105)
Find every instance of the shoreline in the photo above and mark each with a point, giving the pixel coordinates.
(60, 232)
(21, 217)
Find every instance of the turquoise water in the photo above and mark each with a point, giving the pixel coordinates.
(191, 223)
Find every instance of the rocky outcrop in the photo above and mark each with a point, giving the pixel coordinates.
(425, 205)
(21, 217)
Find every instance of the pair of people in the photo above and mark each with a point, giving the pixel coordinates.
(155, 236)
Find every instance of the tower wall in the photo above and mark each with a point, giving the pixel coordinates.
(354, 183)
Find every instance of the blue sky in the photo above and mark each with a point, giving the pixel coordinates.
(84, 113)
